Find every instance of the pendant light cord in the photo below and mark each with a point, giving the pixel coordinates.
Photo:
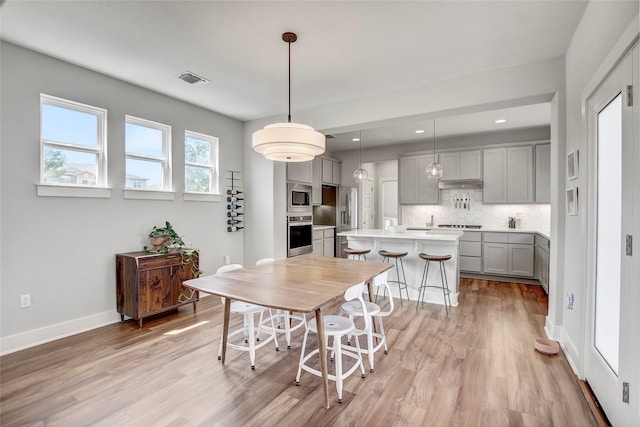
(289, 116)
(434, 140)
(360, 149)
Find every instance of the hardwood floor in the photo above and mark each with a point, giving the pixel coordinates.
(474, 367)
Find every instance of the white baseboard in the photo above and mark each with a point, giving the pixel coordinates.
(13, 343)
(569, 349)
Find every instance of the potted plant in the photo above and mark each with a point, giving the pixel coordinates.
(164, 238)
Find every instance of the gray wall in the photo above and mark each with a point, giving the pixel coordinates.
(62, 250)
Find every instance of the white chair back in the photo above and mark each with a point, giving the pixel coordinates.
(265, 261)
(355, 292)
(381, 280)
(226, 268)
(229, 267)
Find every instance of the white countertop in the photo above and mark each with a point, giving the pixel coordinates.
(323, 227)
(543, 233)
(434, 234)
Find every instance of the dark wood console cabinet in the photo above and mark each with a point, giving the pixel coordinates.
(148, 284)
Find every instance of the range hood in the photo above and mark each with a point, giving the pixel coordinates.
(469, 184)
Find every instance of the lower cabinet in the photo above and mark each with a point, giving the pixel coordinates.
(471, 252)
(324, 243)
(148, 284)
(542, 262)
(509, 254)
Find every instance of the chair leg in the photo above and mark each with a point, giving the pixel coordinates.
(337, 349)
(404, 280)
(370, 348)
(252, 341)
(273, 328)
(384, 337)
(423, 284)
(304, 346)
(287, 328)
(445, 283)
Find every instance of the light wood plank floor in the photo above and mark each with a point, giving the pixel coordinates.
(474, 367)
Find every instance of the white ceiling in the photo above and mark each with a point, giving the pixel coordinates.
(345, 49)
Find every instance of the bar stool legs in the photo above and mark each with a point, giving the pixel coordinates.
(402, 282)
(443, 279)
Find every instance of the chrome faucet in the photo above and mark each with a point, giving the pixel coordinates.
(430, 224)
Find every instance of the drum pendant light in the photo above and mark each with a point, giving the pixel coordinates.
(434, 169)
(360, 175)
(288, 142)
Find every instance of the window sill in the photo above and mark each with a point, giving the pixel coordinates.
(47, 190)
(148, 195)
(202, 197)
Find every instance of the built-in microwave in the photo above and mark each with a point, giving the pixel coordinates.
(299, 198)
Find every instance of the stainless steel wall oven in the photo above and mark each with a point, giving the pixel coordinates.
(299, 234)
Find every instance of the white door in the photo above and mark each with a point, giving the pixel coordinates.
(367, 204)
(612, 358)
(388, 203)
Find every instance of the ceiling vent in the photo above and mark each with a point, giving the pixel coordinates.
(193, 78)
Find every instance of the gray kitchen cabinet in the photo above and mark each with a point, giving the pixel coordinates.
(316, 185)
(300, 172)
(471, 252)
(508, 175)
(337, 173)
(331, 172)
(543, 173)
(324, 242)
(495, 258)
(508, 254)
(329, 243)
(461, 165)
(542, 262)
(415, 187)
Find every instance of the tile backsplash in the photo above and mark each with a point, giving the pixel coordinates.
(533, 216)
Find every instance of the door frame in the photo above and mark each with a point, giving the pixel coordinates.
(625, 46)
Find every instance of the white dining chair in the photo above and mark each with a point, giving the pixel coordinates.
(290, 322)
(249, 329)
(353, 309)
(336, 327)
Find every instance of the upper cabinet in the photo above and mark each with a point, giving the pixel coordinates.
(461, 165)
(325, 171)
(543, 173)
(331, 172)
(300, 172)
(508, 175)
(415, 187)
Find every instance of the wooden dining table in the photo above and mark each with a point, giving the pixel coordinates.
(300, 284)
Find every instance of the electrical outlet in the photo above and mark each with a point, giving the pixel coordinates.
(570, 300)
(25, 300)
(227, 260)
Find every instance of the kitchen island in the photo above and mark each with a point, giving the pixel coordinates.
(432, 242)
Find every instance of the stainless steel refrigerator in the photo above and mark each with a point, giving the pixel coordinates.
(346, 216)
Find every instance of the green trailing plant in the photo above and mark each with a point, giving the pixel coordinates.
(188, 260)
(163, 239)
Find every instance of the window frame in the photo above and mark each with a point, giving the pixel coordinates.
(100, 150)
(165, 161)
(215, 164)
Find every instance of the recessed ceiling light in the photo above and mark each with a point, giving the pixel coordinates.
(355, 139)
(500, 121)
(420, 131)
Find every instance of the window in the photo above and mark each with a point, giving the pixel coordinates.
(148, 155)
(72, 143)
(200, 163)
